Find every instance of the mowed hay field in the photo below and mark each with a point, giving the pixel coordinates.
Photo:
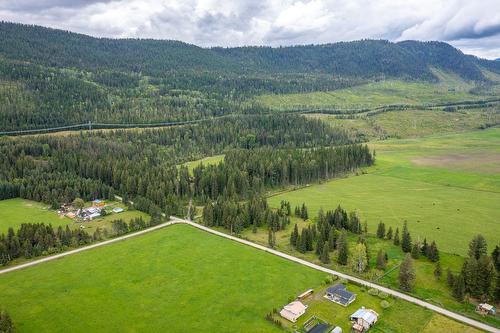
(177, 279)
(448, 202)
(14, 212)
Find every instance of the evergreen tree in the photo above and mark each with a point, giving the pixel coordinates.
(433, 252)
(332, 239)
(438, 271)
(450, 279)
(458, 290)
(294, 236)
(381, 260)
(425, 247)
(396, 237)
(343, 249)
(271, 238)
(407, 274)
(389, 233)
(477, 247)
(415, 251)
(325, 253)
(406, 239)
(381, 230)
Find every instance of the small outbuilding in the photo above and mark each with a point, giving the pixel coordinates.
(340, 295)
(293, 311)
(363, 319)
(486, 309)
(118, 210)
(336, 330)
(305, 294)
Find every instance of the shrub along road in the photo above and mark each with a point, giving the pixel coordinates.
(175, 220)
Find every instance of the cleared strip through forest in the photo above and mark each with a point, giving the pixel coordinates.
(89, 126)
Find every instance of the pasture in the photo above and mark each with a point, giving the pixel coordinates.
(375, 94)
(413, 123)
(448, 202)
(181, 279)
(14, 212)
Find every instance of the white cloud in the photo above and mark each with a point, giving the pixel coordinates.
(474, 26)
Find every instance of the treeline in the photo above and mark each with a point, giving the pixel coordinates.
(252, 171)
(32, 240)
(36, 239)
(142, 167)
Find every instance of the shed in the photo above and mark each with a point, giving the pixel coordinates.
(118, 210)
(340, 295)
(363, 319)
(336, 330)
(305, 294)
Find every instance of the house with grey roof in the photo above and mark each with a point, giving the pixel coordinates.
(340, 295)
(363, 319)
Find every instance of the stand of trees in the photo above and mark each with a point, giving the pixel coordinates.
(479, 277)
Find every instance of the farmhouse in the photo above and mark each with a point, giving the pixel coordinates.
(340, 295)
(363, 319)
(486, 309)
(293, 311)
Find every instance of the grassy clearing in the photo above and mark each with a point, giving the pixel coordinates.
(413, 123)
(217, 285)
(449, 205)
(178, 278)
(211, 160)
(14, 212)
(376, 94)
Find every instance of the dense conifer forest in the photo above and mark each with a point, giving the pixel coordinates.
(52, 78)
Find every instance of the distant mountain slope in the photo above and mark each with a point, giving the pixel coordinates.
(52, 77)
(366, 58)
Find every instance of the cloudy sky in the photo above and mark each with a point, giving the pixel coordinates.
(471, 25)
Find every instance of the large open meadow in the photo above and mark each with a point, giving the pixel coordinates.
(177, 279)
(447, 187)
(450, 89)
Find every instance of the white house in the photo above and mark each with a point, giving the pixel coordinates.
(293, 311)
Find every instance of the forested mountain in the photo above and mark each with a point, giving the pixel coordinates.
(51, 77)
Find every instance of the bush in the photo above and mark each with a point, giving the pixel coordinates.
(384, 304)
(373, 292)
(383, 295)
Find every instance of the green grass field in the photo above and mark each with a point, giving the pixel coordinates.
(211, 160)
(14, 212)
(447, 188)
(178, 279)
(449, 89)
(413, 123)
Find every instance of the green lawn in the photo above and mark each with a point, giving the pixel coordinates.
(14, 212)
(449, 201)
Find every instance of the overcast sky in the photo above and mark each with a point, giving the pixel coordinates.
(471, 25)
